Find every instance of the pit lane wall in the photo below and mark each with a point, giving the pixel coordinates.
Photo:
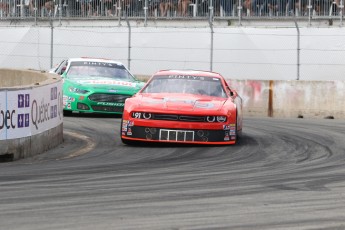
(31, 118)
(292, 99)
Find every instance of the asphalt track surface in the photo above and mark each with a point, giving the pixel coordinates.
(284, 174)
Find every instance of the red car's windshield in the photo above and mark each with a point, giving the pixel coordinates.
(186, 84)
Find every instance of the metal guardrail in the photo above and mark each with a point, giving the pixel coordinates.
(175, 9)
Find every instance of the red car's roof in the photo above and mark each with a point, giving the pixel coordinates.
(188, 72)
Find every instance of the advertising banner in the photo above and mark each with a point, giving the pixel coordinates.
(31, 111)
(3, 109)
(46, 109)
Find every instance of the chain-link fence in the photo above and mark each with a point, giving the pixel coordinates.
(287, 53)
(148, 9)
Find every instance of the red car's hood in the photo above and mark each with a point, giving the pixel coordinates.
(189, 102)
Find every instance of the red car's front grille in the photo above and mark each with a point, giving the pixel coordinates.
(173, 117)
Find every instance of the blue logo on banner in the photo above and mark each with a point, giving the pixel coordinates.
(20, 120)
(27, 120)
(53, 93)
(20, 100)
(27, 100)
(23, 100)
(55, 110)
(23, 120)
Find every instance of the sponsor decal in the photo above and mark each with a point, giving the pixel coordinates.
(124, 125)
(226, 127)
(108, 82)
(190, 77)
(233, 137)
(111, 104)
(129, 133)
(93, 63)
(226, 137)
(66, 99)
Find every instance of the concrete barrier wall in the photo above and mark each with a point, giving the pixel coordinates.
(11, 78)
(254, 95)
(292, 99)
(31, 117)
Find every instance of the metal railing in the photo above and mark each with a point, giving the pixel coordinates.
(171, 9)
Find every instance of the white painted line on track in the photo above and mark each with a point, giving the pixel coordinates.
(90, 145)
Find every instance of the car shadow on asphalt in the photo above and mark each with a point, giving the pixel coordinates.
(93, 115)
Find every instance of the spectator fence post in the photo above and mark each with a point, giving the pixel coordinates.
(211, 9)
(210, 22)
(341, 12)
(145, 13)
(239, 12)
(129, 42)
(35, 9)
(309, 12)
(60, 11)
(51, 41)
(298, 48)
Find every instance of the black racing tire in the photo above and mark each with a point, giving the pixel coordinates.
(238, 133)
(127, 142)
(67, 112)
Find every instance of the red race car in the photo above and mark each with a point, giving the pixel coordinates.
(183, 106)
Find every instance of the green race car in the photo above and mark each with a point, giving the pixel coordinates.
(92, 85)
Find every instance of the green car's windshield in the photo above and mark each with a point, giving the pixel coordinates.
(98, 69)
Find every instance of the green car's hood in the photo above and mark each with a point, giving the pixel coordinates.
(106, 84)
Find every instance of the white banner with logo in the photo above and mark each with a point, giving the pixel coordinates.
(3, 109)
(28, 112)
